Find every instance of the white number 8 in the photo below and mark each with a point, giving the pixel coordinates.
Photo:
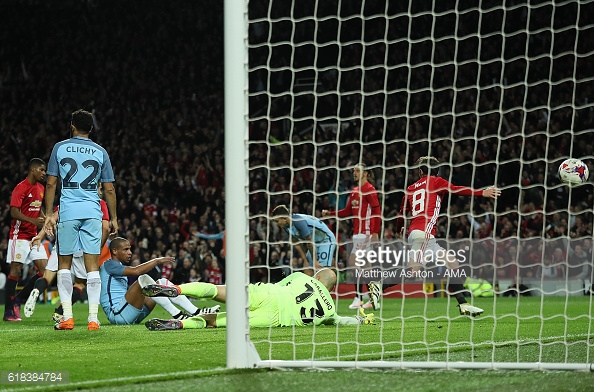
(418, 202)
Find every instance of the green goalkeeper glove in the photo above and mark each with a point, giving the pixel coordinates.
(365, 318)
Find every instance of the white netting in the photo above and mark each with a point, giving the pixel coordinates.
(499, 93)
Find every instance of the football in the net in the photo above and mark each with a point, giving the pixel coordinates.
(573, 172)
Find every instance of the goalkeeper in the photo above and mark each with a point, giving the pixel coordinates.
(297, 300)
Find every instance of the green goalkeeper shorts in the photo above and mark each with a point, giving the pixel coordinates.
(264, 304)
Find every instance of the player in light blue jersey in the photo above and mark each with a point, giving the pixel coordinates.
(316, 242)
(125, 304)
(79, 164)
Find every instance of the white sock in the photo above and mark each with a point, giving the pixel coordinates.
(167, 305)
(184, 303)
(144, 280)
(65, 291)
(94, 293)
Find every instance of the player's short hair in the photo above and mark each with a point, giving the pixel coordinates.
(370, 172)
(428, 165)
(82, 121)
(36, 162)
(116, 243)
(281, 210)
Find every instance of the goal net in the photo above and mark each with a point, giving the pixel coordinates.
(499, 93)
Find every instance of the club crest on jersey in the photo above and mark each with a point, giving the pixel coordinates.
(18, 256)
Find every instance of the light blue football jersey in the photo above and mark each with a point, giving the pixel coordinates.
(303, 226)
(114, 284)
(80, 164)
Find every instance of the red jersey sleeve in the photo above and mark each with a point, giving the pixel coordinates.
(104, 210)
(440, 184)
(346, 212)
(17, 197)
(376, 212)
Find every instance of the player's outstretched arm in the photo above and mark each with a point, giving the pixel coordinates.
(362, 318)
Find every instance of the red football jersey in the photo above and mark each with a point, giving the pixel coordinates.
(215, 276)
(423, 201)
(104, 209)
(364, 208)
(27, 198)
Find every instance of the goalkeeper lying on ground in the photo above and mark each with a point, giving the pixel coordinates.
(297, 300)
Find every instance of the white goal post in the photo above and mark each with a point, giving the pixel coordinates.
(499, 92)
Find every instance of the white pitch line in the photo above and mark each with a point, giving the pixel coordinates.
(440, 345)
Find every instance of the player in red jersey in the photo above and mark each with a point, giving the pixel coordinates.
(422, 201)
(363, 208)
(25, 210)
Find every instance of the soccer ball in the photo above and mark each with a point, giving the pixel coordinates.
(573, 172)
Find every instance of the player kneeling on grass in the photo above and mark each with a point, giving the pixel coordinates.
(127, 305)
(297, 300)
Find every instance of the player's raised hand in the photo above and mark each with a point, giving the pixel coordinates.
(49, 225)
(325, 213)
(492, 192)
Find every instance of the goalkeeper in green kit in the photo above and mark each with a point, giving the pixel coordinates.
(297, 300)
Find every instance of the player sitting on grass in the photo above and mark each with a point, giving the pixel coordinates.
(297, 300)
(127, 305)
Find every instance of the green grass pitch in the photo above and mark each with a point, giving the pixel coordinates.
(121, 358)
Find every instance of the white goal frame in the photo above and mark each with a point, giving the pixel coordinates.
(241, 353)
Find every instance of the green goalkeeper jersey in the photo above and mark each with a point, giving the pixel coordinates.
(303, 300)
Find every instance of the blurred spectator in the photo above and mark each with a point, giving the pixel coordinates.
(552, 267)
(215, 276)
(579, 262)
(194, 276)
(181, 274)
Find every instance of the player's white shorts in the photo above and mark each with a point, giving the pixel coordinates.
(19, 251)
(361, 242)
(423, 247)
(78, 263)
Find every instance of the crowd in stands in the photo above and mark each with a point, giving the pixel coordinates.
(152, 73)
